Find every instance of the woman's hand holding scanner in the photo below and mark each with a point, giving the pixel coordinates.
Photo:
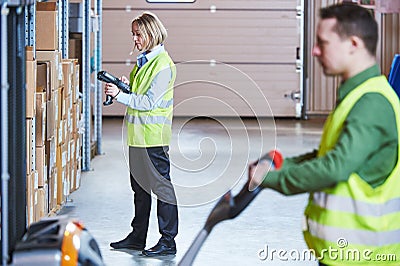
(113, 85)
(258, 170)
(111, 89)
(124, 80)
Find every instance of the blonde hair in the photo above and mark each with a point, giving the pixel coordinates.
(151, 29)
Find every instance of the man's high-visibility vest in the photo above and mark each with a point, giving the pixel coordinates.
(353, 223)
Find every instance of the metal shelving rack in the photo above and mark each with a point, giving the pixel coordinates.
(16, 16)
(17, 30)
(89, 24)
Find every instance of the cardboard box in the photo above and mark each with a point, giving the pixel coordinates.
(76, 117)
(72, 165)
(60, 111)
(31, 71)
(67, 181)
(41, 118)
(52, 115)
(41, 166)
(68, 109)
(30, 147)
(42, 206)
(46, 26)
(61, 104)
(77, 82)
(50, 155)
(62, 174)
(29, 53)
(50, 119)
(30, 198)
(43, 77)
(54, 58)
(78, 173)
(53, 189)
(75, 46)
(68, 69)
(60, 132)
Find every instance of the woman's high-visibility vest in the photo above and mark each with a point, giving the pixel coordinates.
(353, 223)
(151, 128)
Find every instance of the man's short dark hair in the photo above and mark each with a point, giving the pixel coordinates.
(353, 20)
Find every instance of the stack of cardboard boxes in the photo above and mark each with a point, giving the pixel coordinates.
(32, 175)
(53, 116)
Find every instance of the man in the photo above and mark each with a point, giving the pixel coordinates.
(354, 177)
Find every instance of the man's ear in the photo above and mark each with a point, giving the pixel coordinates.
(356, 43)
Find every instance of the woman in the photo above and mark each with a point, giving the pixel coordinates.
(149, 119)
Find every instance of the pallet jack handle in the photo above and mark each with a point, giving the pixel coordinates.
(228, 207)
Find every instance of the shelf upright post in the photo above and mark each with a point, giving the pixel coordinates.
(13, 100)
(5, 175)
(86, 145)
(98, 91)
(63, 15)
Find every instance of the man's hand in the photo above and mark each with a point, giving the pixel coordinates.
(259, 169)
(257, 172)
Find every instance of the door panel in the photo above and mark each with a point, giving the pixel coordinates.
(259, 38)
(249, 90)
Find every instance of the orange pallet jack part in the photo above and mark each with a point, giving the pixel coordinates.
(57, 241)
(71, 244)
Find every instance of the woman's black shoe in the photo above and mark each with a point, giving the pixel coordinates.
(159, 250)
(128, 242)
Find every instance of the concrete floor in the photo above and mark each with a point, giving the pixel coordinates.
(208, 158)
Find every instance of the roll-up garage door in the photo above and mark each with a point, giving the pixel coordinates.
(233, 57)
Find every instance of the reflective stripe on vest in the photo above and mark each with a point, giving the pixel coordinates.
(148, 120)
(166, 104)
(354, 236)
(345, 204)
